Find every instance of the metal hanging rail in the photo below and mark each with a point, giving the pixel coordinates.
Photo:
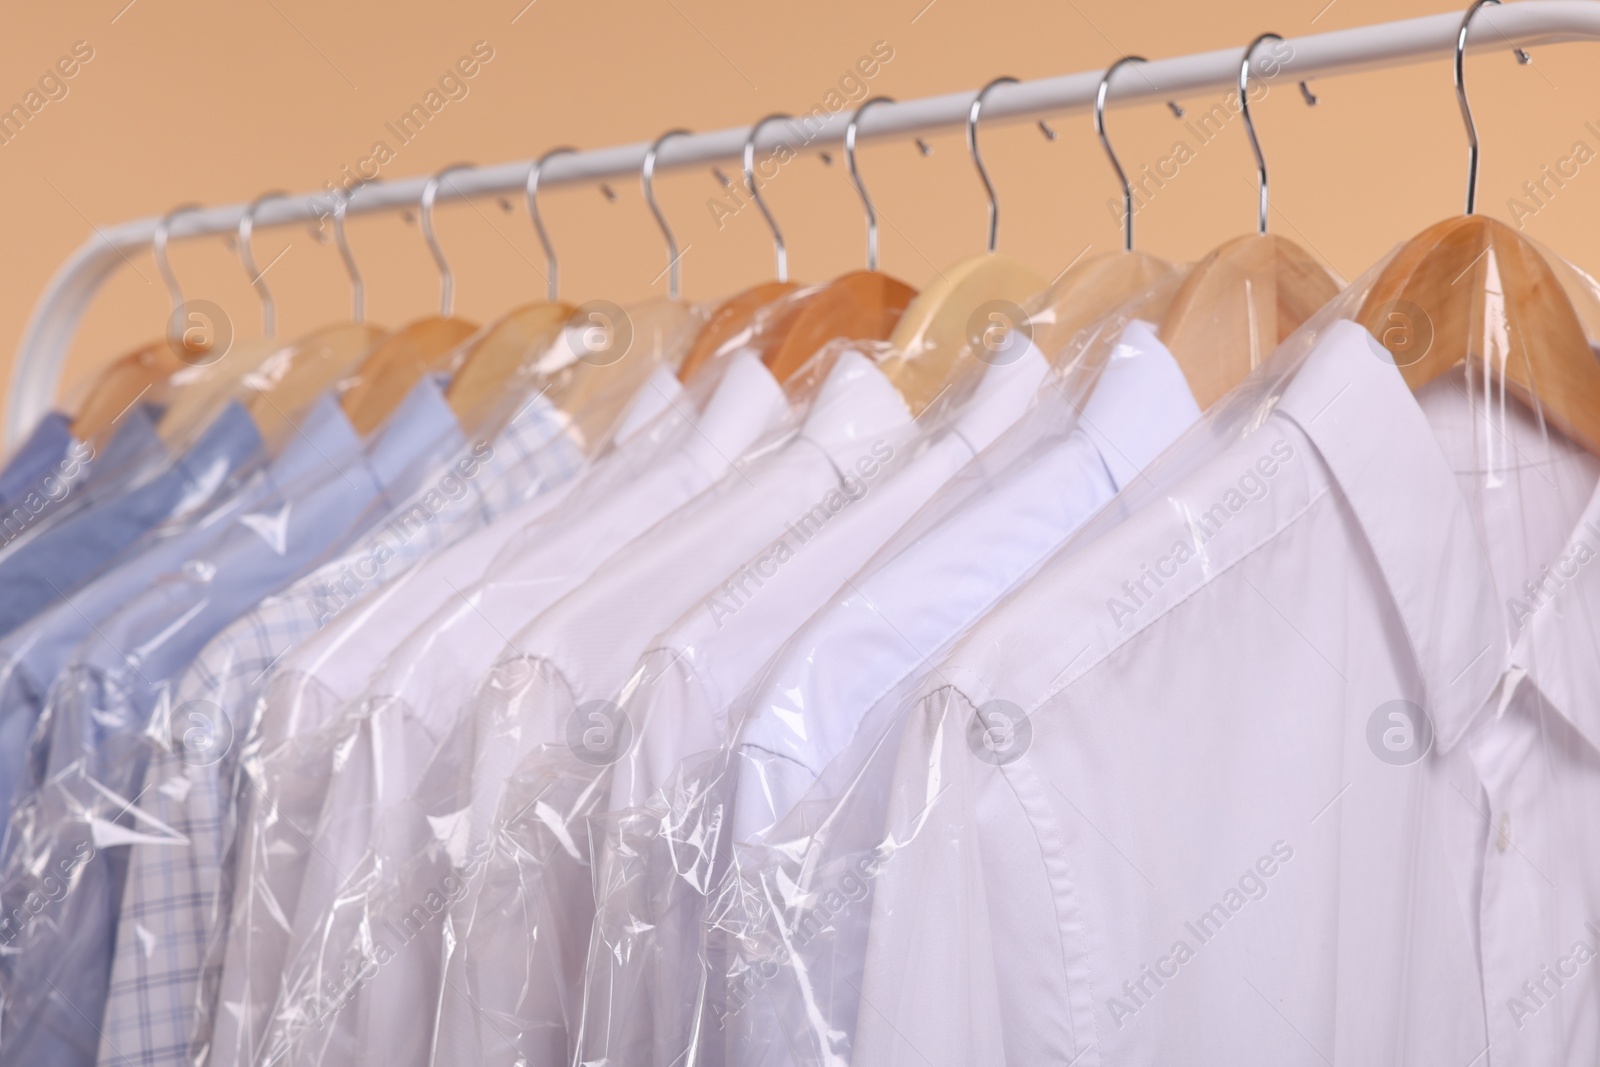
(1530, 23)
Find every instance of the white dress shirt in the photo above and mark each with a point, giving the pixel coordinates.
(581, 650)
(1287, 771)
(335, 769)
(1001, 518)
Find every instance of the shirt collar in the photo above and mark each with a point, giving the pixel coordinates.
(134, 441)
(535, 425)
(856, 405)
(1140, 404)
(323, 437)
(1002, 395)
(227, 444)
(659, 392)
(1351, 401)
(746, 401)
(422, 424)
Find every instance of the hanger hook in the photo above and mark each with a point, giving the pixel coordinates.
(1250, 127)
(447, 278)
(158, 245)
(855, 176)
(1466, 109)
(552, 268)
(247, 227)
(972, 146)
(358, 289)
(1105, 142)
(755, 193)
(647, 175)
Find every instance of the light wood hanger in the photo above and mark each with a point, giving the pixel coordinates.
(1482, 294)
(1244, 298)
(586, 362)
(1090, 290)
(427, 346)
(144, 373)
(291, 378)
(511, 347)
(201, 389)
(934, 331)
(1087, 291)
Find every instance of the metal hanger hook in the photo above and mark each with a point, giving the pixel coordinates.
(1466, 108)
(647, 175)
(247, 228)
(755, 192)
(1250, 126)
(553, 268)
(158, 245)
(977, 159)
(358, 289)
(855, 176)
(447, 278)
(1111, 153)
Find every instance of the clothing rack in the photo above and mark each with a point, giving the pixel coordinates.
(55, 318)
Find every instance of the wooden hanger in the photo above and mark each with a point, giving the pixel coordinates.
(144, 373)
(201, 389)
(1089, 290)
(1485, 295)
(932, 334)
(584, 365)
(430, 345)
(735, 316)
(498, 355)
(139, 375)
(863, 305)
(279, 390)
(1244, 298)
(586, 360)
(198, 391)
(738, 314)
(287, 381)
(510, 347)
(1237, 305)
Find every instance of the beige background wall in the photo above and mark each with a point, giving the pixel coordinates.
(189, 100)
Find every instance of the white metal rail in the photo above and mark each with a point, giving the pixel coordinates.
(1533, 22)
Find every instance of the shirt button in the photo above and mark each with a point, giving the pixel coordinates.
(1503, 838)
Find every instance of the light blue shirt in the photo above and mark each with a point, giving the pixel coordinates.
(89, 754)
(36, 652)
(45, 447)
(86, 477)
(39, 569)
